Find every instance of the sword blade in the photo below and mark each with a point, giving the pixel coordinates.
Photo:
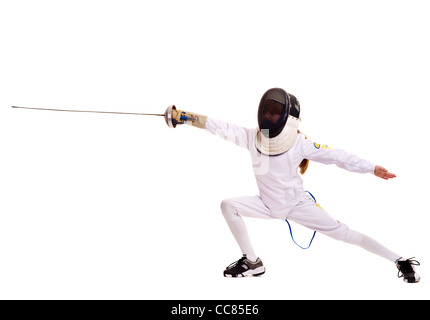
(92, 111)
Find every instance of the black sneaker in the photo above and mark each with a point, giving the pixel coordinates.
(407, 270)
(245, 268)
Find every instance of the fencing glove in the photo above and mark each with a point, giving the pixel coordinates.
(185, 117)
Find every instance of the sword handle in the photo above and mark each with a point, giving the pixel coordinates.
(171, 122)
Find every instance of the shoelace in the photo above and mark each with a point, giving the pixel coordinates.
(236, 263)
(406, 266)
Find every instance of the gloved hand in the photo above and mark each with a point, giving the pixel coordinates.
(196, 120)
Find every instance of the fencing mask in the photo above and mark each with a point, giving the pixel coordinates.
(278, 121)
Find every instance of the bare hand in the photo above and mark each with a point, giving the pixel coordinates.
(383, 173)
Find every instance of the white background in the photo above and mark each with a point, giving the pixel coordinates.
(122, 207)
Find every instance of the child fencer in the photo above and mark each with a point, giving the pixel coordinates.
(278, 152)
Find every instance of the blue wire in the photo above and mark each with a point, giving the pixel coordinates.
(291, 231)
(292, 237)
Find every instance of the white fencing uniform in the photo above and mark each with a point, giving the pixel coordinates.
(281, 189)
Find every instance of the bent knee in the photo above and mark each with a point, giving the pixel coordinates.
(228, 209)
(228, 205)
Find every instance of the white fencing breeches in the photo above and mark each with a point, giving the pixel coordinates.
(306, 213)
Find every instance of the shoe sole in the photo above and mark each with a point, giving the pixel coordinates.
(411, 280)
(253, 273)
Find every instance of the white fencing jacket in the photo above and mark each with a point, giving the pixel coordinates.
(280, 185)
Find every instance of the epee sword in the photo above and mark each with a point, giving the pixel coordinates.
(91, 111)
(167, 114)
